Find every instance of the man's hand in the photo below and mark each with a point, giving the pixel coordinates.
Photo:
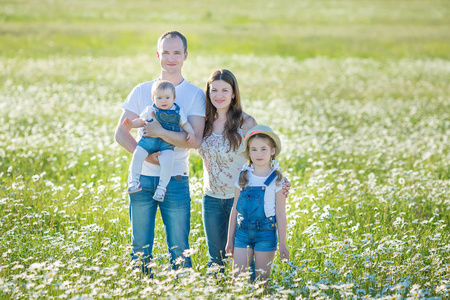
(153, 158)
(153, 129)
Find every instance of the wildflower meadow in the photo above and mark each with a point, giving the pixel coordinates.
(359, 92)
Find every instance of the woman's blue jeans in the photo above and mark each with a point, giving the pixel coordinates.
(175, 213)
(216, 215)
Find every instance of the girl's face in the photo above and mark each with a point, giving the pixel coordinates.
(221, 93)
(260, 151)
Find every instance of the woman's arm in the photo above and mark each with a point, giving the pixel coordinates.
(249, 123)
(280, 213)
(229, 249)
(286, 187)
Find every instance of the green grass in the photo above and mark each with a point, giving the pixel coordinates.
(291, 28)
(358, 91)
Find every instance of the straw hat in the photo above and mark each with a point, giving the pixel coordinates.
(263, 129)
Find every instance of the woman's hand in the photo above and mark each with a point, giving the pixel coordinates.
(286, 187)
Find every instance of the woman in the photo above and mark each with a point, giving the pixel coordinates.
(222, 153)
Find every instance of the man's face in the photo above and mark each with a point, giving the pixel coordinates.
(171, 55)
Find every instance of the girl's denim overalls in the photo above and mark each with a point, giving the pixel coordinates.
(170, 120)
(253, 228)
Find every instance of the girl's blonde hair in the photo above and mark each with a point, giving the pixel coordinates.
(243, 177)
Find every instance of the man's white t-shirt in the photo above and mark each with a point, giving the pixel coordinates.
(189, 97)
(270, 191)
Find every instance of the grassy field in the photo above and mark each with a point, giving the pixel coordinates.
(358, 90)
(302, 29)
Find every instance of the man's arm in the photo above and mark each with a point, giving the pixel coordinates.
(124, 138)
(178, 139)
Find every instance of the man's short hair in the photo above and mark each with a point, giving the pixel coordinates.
(172, 34)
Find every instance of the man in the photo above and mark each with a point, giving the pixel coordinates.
(175, 210)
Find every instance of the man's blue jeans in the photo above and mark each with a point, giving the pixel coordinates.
(175, 213)
(216, 215)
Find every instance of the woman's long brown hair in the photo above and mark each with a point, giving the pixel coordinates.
(235, 118)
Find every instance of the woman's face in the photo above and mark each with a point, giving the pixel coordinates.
(220, 93)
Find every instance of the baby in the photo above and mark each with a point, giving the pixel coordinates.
(171, 117)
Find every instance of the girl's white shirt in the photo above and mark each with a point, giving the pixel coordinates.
(270, 191)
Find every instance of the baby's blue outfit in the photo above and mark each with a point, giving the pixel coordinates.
(170, 120)
(253, 228)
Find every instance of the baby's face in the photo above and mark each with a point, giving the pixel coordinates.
(164, 99)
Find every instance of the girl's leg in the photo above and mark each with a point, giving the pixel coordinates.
(166, 162)
(242, 258)
(139, 155)
(262, 266)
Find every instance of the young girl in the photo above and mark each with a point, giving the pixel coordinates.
(259, 206)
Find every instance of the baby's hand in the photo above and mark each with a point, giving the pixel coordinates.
(127, 123)
(190, 139)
